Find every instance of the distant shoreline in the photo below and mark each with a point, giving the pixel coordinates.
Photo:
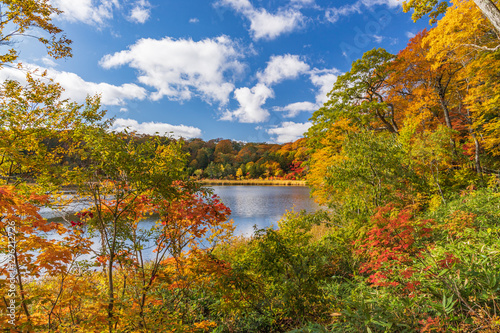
(256, 182)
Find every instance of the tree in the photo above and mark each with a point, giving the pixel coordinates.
(359, 101)
(30, 254)
(32, 168)
(118, 176)
(203, 157)
(247, 154)
(239, 173)
(470, 45)
(24, 19)
(360, 96)
(435, 8)
(214, 171)
(32, 116)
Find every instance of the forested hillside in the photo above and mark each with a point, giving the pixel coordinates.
(226, 159)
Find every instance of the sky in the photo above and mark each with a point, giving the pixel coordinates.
(246, 70)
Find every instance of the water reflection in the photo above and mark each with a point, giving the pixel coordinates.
(262, 206)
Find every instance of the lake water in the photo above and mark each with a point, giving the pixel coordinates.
(262, 206)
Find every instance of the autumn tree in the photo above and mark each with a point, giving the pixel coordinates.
(31, 19)
(37, 129)
(222, 150)
(435, 8)
(471, 46)
(359, 101)
(31, 171)
(117, 174)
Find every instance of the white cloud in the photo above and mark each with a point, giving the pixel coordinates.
(181, 68)
(194, 20)
(390, 3)
(410, 34)
(323, 80)
(251, 101)
(295, 108)
(49, 62)
(87, 11)
(152, 127)
(303, 2)
(288, 131)
(140, 13)
(268, 26)
(264, 25)
(77, 89)
(280, 68)
(333, 14)
(98, 12)
(238, 5)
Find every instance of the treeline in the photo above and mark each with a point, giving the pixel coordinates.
(219, 158)
(227, 159)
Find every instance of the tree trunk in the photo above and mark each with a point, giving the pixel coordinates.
(491, 12)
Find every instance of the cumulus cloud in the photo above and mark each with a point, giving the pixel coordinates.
(98, 12)
(323, 80)
(288, 131)
(48, 62)
(269, 26)
(293, 109)
(182, 68)
(281, 68)
(77, 89)
(250, 101)
(152, 128)
(86, 11)
(194, 20)
(264, 25)
(140, 12)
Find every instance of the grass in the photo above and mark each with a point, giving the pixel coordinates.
(270, 182)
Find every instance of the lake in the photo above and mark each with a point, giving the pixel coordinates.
(262, 206)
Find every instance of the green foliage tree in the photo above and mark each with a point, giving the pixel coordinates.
(360, 96)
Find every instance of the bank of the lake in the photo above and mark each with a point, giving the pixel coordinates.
(252, 182)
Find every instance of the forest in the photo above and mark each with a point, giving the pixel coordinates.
(404, 158)
(227, 159)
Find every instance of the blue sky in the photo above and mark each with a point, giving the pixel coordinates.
(249, 70)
